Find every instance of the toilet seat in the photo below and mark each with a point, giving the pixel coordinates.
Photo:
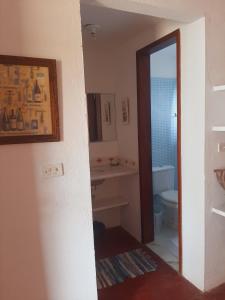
(170, 198)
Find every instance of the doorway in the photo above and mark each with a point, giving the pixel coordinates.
(155, 156)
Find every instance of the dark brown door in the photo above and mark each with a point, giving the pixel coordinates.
(144, 134)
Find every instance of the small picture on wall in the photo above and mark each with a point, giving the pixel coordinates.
(125, 111)
(107, 112)
(28, 100)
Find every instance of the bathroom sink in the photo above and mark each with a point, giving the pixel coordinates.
(220, 176)
(107, 171)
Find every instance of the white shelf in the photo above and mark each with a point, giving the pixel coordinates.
(217, 88)
(218, 128)
(219, 210)
(108, 203)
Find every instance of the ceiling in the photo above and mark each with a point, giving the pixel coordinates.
(115, 23)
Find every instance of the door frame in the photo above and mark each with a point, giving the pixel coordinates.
(144, 136)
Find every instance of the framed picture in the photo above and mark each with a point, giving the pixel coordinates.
(28, 100)
(107, 113)
(125, 109)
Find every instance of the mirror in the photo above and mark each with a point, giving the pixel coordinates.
(101, 117)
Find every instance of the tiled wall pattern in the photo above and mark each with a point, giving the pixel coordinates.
(164, 122)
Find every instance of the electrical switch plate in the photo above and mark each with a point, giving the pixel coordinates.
(221, 147)
(53, 170)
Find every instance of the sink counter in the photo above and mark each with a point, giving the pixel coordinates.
(107, 172)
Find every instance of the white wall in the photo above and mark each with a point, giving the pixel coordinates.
(46, 237)
(215, 107)
(103, 149)
(100, 74)
(193, 150)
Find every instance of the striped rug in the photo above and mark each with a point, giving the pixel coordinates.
(116, 269)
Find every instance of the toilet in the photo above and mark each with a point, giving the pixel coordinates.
(170, 198)
(163, 185)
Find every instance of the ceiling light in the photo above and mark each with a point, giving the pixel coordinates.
(91, 29)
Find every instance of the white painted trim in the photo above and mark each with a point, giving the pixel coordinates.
(219, 211)
(217, 88)
(218, 128)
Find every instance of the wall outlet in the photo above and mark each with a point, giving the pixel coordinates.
(221, 147)
(53, 170)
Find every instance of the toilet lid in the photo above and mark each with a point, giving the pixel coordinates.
(170, 196)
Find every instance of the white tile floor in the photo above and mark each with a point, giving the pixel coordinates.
(166, 246)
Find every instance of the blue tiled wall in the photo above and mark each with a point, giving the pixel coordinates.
(164, 122)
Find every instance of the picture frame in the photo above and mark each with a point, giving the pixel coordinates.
(125, 111)
(28, 100)
(107, 113)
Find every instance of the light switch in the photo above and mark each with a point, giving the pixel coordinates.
(221, 147)
(53, 170)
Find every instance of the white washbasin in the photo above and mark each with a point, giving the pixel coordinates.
(107, 171)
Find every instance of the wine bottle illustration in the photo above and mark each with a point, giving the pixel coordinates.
(19, 120)
(12, 120)
(36, 92)
(5, 120)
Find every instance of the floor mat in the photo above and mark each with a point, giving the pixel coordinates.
(116, 269)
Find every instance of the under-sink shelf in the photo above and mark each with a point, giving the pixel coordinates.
(108, 203)
(218, 128)
(218, 88)
(220, 210)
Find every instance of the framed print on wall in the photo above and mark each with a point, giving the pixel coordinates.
(125, 111)
(107, 113)
(28, 100)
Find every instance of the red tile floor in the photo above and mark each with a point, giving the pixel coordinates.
(164, 283)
